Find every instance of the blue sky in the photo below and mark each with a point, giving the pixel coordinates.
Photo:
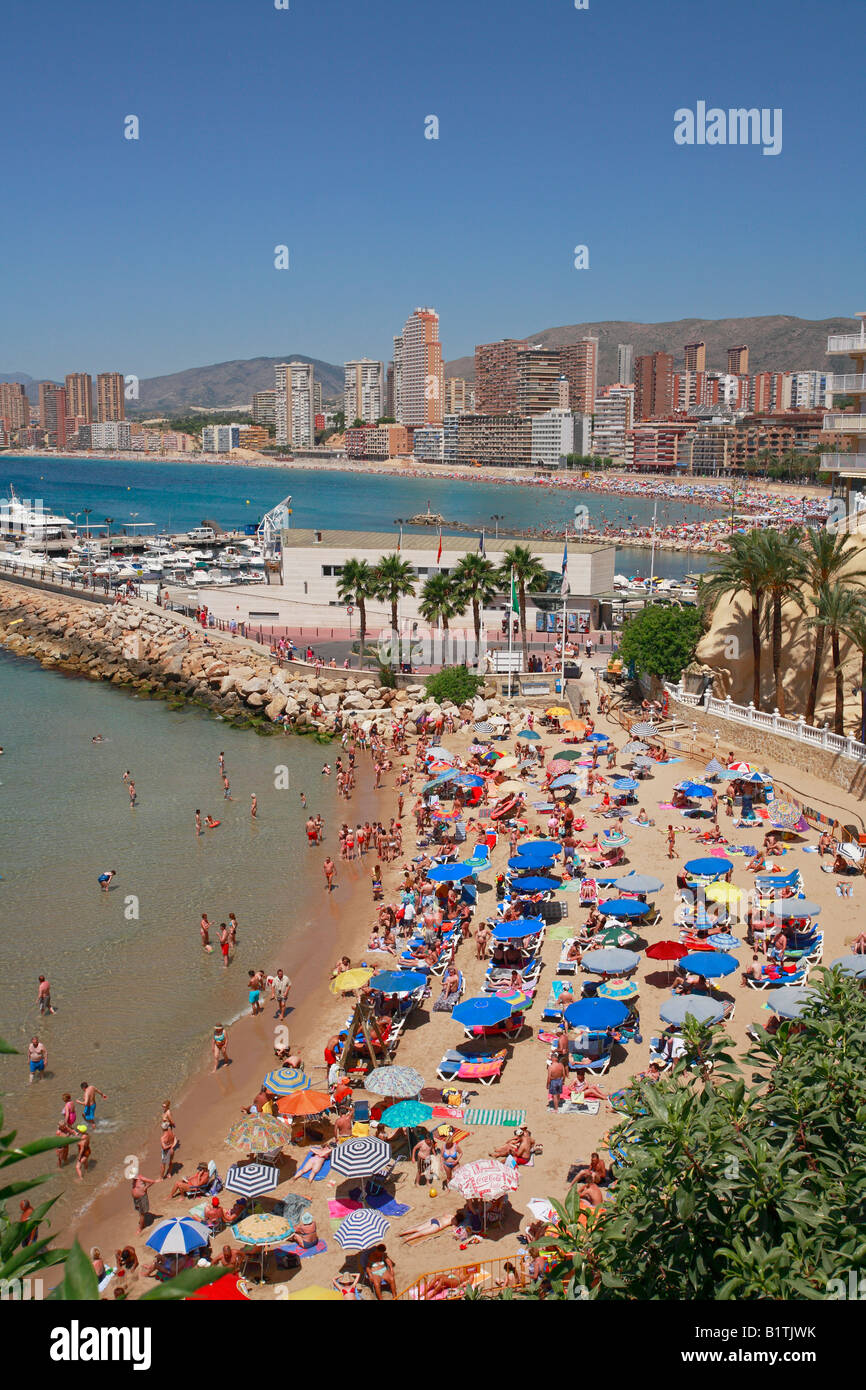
(305, 127)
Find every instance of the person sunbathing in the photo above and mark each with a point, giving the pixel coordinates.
(442, 1284)
(305, 1233)
(519, 1147)
(575, 951)
(581, 1089)
(197, 1181)
(314, 1161)
(590, 1195)
(858, 945)
(427, 1229)
(450, 982)
(594, 1172)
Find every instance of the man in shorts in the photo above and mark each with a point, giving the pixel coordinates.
(36, 1057)
(555, 1080)
(140, 1200)
(88, 1099)
(280, 992)
(225, 944)
(255, 991)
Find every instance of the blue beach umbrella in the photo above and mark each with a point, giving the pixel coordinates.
(623, 907)
(525, 862)
(709, 964)
(448, 873)
(482, 1012)
(598, 738)
(709, 867)
(595, 1013)
(568, 779)
(528, 733)
(178, 1235)
(675, 1010)
(539, 849)
(694, 789)
(519, 928)
(534, 884)
(398, 981)
(623, 784)
(610, 960)
(361, 1229)
(285, 1081)
(468, 779)
(406, 1114)
(438, 781)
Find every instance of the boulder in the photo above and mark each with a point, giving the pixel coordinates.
(254, 686)
(255, 700)
(276, 706)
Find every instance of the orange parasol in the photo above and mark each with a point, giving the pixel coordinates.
(304, 1103)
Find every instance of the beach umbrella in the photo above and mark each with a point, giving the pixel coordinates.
(723, 941)
(714, 768)
(851, 852)
(252, 1179)
(178, 1235)
(361, 1158)
(399, 1082)
(565, 779)
(633, 747)
(623, 908)
(533, 883)
(506, 763)
(453, 814)
(568, 755)
(229, 1288)
(793, 908)
(638, 883)
(361, 1229)
(558, 712)
(737, 770)
(609, 960)
(625, 784)
(304, 1103)
(517, 929)
(448, 873)
(574, 726)
(643, 762)
(316, 1293)
(482, 727)
(406, 1114)
(666, 950)
(514, 998)
(540, 847)
(257, 1134)
(595, 1013)
(695, 790)
(616, 936)
(468, 779)
(485, 1178)
(725, 893)
(850, 965)
(618, 989)
(285, 1081)
(784, 815)
(263, 1230)
(351, 979)
(709, 867)
(598, 738)
(528, 733)
(398, 981)
(485, 1011)
(434, 755)
(790, 1001)
(644, 729)
(679, 1007)
(529, 861)
(709, 964)
(439, 781)
(557, 767)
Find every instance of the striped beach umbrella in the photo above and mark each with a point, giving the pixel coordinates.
(633, 748)
(285, 1081)
(400, 1082)
(257, 1134)
(516, 999)
(644, 729)
(252, 1179)
(360, 1158)
(617, 989)
(483, 728)
(361, 1229)
(723, 941)
(178, 1235)
(485, 1178)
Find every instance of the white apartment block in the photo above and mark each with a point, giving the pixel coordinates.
(808, 390)
(294, 405)
(429, 443)
(625, 363)
(556, 433)
(364, 391)
(220, 439)
(612, 420)
(110, 434)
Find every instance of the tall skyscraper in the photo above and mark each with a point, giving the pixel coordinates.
(456, 396)
(263, 407)
(419, 384)
(653, 382)
(390, 408)
(613, 418)
(625, 364)
(579, 363)
(294, 405)
(52, 413)
(109, 396)
(397, 384)
(538, 373)
(496, 367)
(738, 361)
(79, 396)
(364, 391)
(696, 357)
(14, 405)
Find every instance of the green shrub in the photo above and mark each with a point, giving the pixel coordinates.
(455, 683)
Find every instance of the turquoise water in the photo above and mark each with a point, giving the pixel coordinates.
(179, 496)
(136, 995)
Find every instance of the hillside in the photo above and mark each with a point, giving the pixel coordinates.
(226, 384)
(778, 342)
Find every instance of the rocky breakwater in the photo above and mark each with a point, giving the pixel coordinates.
(160, 655)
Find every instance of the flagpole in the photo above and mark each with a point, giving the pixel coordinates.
(564, 620)
(481, 617)
(653, 552)
(510, 629)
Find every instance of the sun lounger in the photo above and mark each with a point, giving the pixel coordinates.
(499, 976)
(485, 1073)
(564, 966)
(798, 977)
(553, 1008)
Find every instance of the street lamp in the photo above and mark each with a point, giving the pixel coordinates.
(87, 511)
(497, 517)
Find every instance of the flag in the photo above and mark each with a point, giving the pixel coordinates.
(400, 541)
(515, 602)
(481, 544)
(439, 551)
(565, 588)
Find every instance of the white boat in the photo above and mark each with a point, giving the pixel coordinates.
(18, 518)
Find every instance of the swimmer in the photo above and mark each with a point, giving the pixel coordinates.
(233, 930)
(254, 805)
(133, 795)
(97, 738)
(211, 823)
(88, 1100)
(326, 770)
(204, 928)
(303, 798)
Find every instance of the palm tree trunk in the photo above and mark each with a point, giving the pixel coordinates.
(521, 604)
(777, 653)
(863, 695)
(838, 718)
(756, 653)
(362, 619)
(476, 619)
(818, 661)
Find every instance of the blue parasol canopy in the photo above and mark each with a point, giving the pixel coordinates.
(623, 784)
(596, 1013)
(448, 873)
(398, 981)
(623, 907)
(526, 862)
(694, 789)
(710, 964)
(709, 867)
(533, 883)
(520, 927)
(485, 1011)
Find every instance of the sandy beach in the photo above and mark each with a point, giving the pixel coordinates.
(211, 1103)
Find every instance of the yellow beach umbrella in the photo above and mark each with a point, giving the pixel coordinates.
(505, 763)
(351, 979)
(558, 712)
(316, 1293)
(723, 893)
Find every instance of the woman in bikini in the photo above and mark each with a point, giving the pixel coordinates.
(219, 1046)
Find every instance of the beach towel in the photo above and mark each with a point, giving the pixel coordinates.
(339, 1207)
(511, 1118)
(293, 1205)
(448, 1112)
(380, 1201)
(290, 1248)
(106, 1278)
(579, 1107)
(666, 805)
(323, 1171)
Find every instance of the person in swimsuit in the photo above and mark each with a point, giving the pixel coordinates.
(379, 1270)
(219, 1046)
(105, 878)
(255, 993)
(36, 1058)
(224, 943)
(88, 1100)
(451, 1156)
(314, 1161)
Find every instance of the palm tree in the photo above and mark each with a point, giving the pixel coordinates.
(476, 580)
(827, 554)
(739, 571)
(529, 574)
(784, 574)
(355, 584)
(440, 601)
(394, 579)
(856, 631)
(837, 610)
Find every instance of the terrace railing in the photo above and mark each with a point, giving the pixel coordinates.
(774, 723)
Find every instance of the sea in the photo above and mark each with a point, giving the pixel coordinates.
(136, 995)
(177, 496)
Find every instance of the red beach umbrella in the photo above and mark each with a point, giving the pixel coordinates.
(666, 950)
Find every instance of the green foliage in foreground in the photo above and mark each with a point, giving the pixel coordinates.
(661, 640)
(455, 683)
(728, 1188)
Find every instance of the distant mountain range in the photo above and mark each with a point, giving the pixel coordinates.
(778, 342)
